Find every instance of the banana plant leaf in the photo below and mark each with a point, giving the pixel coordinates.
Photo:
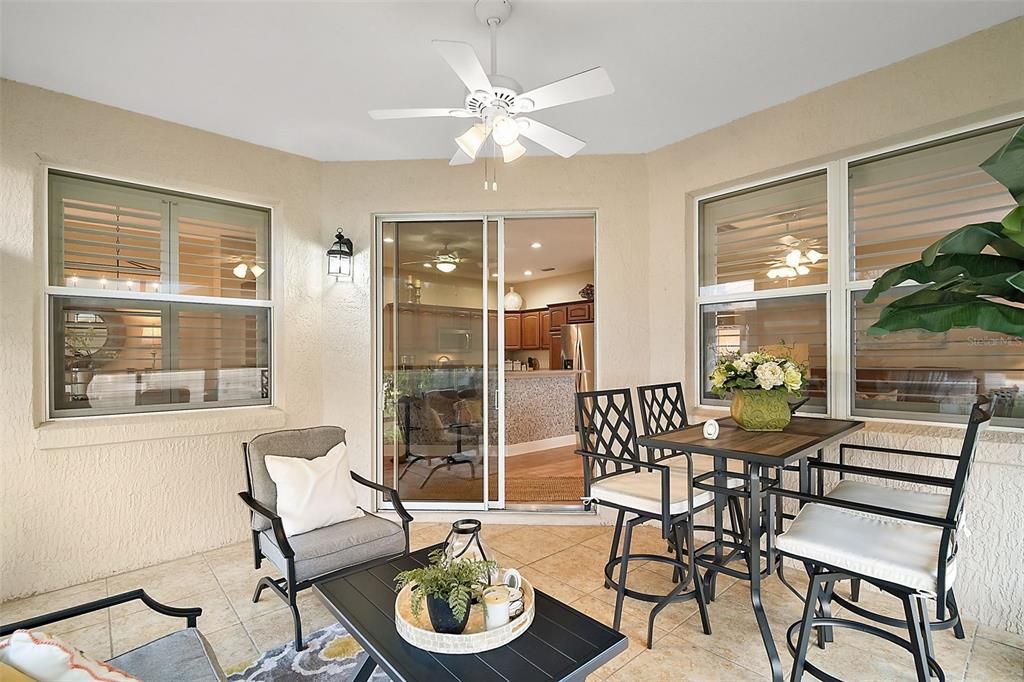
(974, 288)
(973, 239)
(940, 311)
(1007, 165)
(1013, 225)
(985, 268)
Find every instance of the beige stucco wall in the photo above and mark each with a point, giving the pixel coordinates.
(969, 81)
(87, 498)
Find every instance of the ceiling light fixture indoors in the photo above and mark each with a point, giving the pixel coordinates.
(499, 103)
(536, 245)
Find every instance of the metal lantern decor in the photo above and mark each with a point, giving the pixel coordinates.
(464, 542)
(339, 258)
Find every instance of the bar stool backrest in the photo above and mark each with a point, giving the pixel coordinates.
(975, 426)
(607, 428)
(662, 407)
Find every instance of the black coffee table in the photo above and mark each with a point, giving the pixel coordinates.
(560, 644)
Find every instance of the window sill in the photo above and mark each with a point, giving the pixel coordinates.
(104, 430)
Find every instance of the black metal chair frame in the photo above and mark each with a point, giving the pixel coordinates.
(663, 408)
(189, 614)
(287, 588)
(821, 589)
(608, 443)
(406, 427)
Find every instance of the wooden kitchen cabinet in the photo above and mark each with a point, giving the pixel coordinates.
(577, 312)
(529, 330)
(555, 351)
(545, 329)
(557, 317)
(513, 331)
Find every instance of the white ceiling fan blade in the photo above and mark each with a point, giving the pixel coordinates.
(586, 85)
(382, 114)
(563, 144)
(464, 62)
(461, 158)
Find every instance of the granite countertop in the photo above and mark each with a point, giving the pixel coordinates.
(541, 373)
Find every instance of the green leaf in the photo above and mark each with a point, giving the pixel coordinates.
(1016, 281)
(940, 311)
(1013, 225)
(981, 267)
(1007, 165)
(973, 239)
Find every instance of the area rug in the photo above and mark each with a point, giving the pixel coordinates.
(330, 654)
(566, 489)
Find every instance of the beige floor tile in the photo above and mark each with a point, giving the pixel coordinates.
(527, 545)
(271, 629)
(652, 583)
(633, 627)
(579, 533)
(489, 531)
(94, 640)
(425, 534)
(48, 602)
(554, 587)
(579, 566)
(675, 660)
(233, 647)
(129, 629)
(994, 662)
(167, 582)
(1001, 636)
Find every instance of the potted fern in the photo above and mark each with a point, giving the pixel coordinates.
(448, 587)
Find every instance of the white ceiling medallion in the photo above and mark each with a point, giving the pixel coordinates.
(498, 103)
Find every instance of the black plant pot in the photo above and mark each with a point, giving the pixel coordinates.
(442, 618)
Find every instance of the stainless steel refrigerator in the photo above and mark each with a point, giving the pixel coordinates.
(578, 353)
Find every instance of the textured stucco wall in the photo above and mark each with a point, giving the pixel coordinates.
(965, 82)
(86, 499)
(614, 186)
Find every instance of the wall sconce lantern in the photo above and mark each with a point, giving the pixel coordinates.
(339, 258)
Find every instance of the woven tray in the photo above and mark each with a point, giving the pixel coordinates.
(474, 639)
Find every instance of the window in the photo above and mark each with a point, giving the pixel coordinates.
(900, 204)
(764, 280)
(764, 257)
(156, 300)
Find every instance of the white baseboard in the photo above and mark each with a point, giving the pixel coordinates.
(543, 444)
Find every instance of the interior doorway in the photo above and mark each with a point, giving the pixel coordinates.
(485, 328)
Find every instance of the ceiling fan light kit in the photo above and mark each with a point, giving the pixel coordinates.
(498, 102)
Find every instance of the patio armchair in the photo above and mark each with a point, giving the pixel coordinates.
(317, 554)
(423, 428)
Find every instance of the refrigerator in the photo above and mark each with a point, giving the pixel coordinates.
(578, 353)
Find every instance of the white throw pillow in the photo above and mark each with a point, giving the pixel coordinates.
(313, 493)
(43, 657)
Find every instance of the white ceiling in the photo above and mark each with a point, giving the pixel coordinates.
(300, 76)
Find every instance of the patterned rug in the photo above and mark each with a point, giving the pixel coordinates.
(330, 654)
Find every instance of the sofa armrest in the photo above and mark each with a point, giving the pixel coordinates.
(190, 615)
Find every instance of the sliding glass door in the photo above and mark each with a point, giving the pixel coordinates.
(439, 335)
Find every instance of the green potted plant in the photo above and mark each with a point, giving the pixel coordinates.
(974, 275)
(449, 587)
(759, 384)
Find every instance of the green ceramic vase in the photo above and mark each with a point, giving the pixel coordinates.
(757, 410)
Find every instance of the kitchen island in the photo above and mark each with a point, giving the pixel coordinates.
(540, 408)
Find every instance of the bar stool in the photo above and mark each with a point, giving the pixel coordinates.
(907, 554)
(615, 476)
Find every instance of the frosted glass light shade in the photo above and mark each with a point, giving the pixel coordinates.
(471, 140)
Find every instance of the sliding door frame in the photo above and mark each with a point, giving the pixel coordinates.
(377, 296)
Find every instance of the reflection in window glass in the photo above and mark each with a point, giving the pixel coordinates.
(792, 326)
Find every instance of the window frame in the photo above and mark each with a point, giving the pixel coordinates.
(50, 292)
(840, 287)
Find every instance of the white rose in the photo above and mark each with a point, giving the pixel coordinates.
(741, 365)
(769, 375)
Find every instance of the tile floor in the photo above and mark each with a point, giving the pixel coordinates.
(564, 561)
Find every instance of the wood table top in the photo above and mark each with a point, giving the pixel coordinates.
(560, 644)
(802, 436)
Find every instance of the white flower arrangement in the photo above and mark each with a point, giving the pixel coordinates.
(757, 371)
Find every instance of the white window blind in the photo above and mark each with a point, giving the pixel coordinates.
(157, 350)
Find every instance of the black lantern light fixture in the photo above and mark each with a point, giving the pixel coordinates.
(339, 258)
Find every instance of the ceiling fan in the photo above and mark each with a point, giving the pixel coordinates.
(444, 260)
(498, 102)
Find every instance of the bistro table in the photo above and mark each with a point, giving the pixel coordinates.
(763, 452)
(560, 644)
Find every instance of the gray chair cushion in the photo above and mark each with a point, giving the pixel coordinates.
(306, 443)
(328, 549)
(181, 655)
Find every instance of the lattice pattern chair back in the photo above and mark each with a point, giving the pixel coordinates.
(607, 427)
(662, 407)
